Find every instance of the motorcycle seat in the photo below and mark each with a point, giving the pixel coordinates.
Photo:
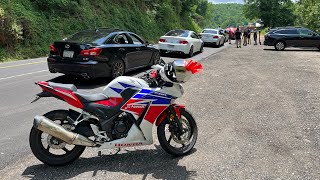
(69, 87)
(91, 97)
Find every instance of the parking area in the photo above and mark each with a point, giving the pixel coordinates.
(258, 114)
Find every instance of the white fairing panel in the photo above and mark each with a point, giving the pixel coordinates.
(111, 88)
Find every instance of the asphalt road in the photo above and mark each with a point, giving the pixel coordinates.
(257, 112)
(17, 90)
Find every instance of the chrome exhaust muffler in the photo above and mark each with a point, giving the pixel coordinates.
(46, 125)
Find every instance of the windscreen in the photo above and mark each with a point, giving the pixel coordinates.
(179, 33)
(90, 36)
(210, 31)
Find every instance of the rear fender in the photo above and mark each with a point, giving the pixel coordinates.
(176, 108)
(62, 94)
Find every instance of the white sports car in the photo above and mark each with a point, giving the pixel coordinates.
(212, 37)
(184, 41)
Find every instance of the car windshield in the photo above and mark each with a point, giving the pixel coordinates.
(179, 33)
(90, 36)
(210, 31)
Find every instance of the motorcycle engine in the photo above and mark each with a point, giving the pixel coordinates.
(121, 126)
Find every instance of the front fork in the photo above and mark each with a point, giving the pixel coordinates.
(173, 112)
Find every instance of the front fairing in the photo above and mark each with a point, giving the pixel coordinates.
(175, 91)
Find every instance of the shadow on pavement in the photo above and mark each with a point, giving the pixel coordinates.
(302, 49)
(153, 162)
(82, 83)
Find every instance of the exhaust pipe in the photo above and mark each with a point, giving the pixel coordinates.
(46, 125)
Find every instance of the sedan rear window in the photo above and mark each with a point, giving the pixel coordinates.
(179, 33)
(96, 37)
(210, 31)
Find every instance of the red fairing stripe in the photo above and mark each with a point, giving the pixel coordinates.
(111, 102)
(176, 108)
(66, 95)
(154, 112)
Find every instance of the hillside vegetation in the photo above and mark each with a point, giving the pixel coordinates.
(27, 27)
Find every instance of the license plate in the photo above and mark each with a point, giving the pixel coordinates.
(68, 54)
(171, 46)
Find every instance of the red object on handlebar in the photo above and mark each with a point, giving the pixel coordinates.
(193, 66)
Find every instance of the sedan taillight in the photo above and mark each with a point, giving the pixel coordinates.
(183, 42)
(162, 40)
(53, 49)
(216, 37)
(91, 52)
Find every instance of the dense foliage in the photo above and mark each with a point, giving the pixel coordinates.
(27, 27)
(224, 15)
(308, 14)
(272, 12)
(285, 12)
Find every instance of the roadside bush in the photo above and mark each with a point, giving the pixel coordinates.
(10, 30)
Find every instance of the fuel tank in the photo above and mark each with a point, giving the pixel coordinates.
(116, 86)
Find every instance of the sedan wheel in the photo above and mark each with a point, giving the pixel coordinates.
(117, 69)
(156, 59)
(191, 52)
(279, 46)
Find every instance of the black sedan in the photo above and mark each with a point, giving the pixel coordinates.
(101, 53)
(284, 37)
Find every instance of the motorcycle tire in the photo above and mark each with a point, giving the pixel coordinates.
(165, 142)
(43, 154)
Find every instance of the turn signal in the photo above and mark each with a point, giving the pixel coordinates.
(91, 52)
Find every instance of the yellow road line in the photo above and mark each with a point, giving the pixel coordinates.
(18, 65)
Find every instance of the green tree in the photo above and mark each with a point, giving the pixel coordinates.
(308, 14)
(272, 12)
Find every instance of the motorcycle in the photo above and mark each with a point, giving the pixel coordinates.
(121, 116)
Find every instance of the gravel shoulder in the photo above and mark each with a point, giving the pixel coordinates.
(258, 116)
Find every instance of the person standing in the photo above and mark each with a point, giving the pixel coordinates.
(238, 38)
(245, 37)
(255, 37)
(230, 35)
(249, 34)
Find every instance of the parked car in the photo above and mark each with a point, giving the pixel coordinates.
(183, 41)
(284, 37)
(101, 53)
(212, 37)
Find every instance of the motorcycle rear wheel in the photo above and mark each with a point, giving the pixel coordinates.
(50, 150)
(178, 146)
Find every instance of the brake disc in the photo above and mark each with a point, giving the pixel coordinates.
(185, 137)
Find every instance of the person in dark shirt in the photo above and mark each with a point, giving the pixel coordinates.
(238, 38)
(255, 36)
(249, 34)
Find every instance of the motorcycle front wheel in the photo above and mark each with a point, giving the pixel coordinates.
(50, 150)
(175, 143)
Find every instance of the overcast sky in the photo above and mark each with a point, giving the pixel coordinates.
(226, 1)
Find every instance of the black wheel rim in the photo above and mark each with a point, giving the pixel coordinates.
(118, 69)
(179, 142)
(156, 59)
(191, 51)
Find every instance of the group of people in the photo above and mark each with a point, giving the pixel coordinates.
(246, 36)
